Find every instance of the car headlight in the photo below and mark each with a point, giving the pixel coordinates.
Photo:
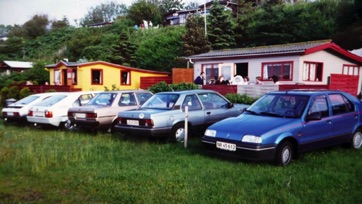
(252, 139)
(210, 133)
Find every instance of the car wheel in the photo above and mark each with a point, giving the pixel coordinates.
(112, 129)
(68, 125)
(178, 133)
(284, 154)
(356, 142)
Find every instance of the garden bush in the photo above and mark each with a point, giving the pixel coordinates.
(24, 92)
(240, 98)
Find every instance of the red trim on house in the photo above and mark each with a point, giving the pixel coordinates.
(335, 48)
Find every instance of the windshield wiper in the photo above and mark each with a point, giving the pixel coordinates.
(270, 114)
(250, 111)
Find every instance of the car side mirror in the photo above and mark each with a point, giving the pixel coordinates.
(230, 105)
(314, 116)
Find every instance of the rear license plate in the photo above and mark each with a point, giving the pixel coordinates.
(133, 122)
(79, 115)
(10, 114)
(39, 114)
(226, 146)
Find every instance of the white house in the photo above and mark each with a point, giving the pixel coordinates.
(309, 63)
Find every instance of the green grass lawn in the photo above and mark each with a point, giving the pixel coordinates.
(52, 166)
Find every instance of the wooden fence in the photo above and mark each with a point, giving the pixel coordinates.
(46, 88)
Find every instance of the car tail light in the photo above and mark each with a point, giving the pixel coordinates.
(30, 113)
(16, 114)
(91, 115)
(147, 122)
(48, 114)
(70, 114)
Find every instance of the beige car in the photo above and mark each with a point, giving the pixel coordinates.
(101, 112)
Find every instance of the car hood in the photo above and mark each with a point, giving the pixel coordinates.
(236, 127)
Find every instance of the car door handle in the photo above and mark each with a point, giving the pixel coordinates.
(329, 122)
(208, 113)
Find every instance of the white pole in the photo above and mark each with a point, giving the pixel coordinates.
(205, 18)
(186, 125)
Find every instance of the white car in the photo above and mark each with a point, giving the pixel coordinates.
(17, 112)
(53, 111)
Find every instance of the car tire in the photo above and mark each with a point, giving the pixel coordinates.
(177, 133)
(284, 154)
(68, 125)
(112, 129)
(356, 141)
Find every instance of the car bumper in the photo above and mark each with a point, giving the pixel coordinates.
(48, 121)
(254, 153)
(133, 130)
(14, 119)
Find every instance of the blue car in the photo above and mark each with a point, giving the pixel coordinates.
(282, 124)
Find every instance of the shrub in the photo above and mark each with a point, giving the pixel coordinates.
(238, 98)
(24, 92)
(51, 90)
(163, 86)
(4, 94)
(14, 92)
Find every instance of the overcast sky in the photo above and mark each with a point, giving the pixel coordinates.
(19, 11)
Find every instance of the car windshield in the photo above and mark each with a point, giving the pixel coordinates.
(51, 100)
(291, 106)
(26, 100)
(105, 99)
(161, 101)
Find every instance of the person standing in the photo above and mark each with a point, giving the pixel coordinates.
(200, 79)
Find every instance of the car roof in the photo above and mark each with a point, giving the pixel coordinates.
(127, 90)
(308, 92)
(195, 91)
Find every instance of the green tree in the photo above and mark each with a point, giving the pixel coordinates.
(13, 48)
(60, 24)
(37, 73)
(168, 5)
(195, 41)
(36, 26)
(159, 49)
(107, 12)
(124, 51)
(220, 28)
(349, 25)
(142, 10)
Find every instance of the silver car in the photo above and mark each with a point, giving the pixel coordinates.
(164, 114)
(100, 113)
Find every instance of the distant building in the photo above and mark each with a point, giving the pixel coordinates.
(8, 67)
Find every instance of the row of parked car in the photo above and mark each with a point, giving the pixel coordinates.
(277, 127)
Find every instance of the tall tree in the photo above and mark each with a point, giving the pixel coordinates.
(124, 51)
(37, 26)
(220, 28)
(195, 41)
(168, 5)
(143, 10)
(60, 24)
(107, 12)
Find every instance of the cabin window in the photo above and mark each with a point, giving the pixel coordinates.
(312, 71)
(350, 70)
(57, 77)
(97, 76)
(74, 76)
(211, 72)
(283, 70)
(125, 77)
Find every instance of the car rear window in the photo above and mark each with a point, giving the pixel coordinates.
(161, 101)
(51, 100)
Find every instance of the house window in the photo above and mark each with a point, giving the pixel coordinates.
(125, 78)
(97, 76)
(74, 76)
(182, 18)
(312, 71)
(283, 70)
(350, 70)
(211, 72)
(57, 77)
